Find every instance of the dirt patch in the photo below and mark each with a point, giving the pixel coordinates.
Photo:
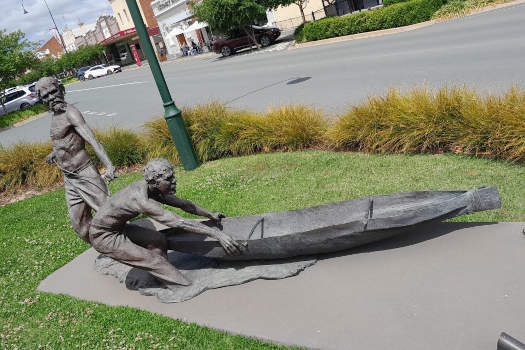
(25, 193)
(8, 198)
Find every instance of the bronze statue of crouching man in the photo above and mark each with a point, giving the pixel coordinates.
(110, 234)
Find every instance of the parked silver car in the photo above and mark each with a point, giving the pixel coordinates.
(17, 98)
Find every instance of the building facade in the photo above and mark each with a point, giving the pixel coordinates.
(51, 49)
(179, 26)
(121, 44)
(288, 17)
(80, 34)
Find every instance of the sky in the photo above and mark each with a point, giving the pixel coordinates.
(37, 23)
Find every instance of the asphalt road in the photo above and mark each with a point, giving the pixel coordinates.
(485, 51)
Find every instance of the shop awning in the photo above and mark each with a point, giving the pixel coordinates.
(195, 26)
(175, 31)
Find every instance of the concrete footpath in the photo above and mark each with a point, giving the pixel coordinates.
(450, 286)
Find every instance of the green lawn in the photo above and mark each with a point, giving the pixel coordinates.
(15, 117)
(36, 237)
(70, 80)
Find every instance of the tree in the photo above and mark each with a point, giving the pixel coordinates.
(302, 5)
(225, 15)
(66, 65)
(16, 57)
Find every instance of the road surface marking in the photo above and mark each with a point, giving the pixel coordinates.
(99, 114)
(108, 86)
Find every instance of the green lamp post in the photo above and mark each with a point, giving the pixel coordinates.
(172, 114)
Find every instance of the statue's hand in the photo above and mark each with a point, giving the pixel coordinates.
(217, 217)
(51, 158)
(110, 174)
(230, 246)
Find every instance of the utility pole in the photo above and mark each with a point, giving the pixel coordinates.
(172, 114)
(56, 28)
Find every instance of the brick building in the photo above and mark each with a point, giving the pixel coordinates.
(119, 44)
(51, 48)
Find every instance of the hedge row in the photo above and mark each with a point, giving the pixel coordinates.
(392, 2)
(396, 15)
(420, 121)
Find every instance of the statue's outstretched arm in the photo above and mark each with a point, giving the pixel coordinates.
(154, 210)
(190, 207)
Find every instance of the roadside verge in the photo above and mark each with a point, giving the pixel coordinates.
(396, 30)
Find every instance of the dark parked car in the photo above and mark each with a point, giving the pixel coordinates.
(81, 71)
(237, 39)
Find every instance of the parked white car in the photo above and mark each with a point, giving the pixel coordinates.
(101, 70)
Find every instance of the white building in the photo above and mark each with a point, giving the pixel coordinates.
(178, 25)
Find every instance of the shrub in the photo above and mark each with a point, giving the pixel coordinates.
(24, 165)
(454, 8)
(298, 34)
(396, 15)
(158, 142)
(392, 2)
(206, 127)
(124, 147)
(454, 119)
(217, 131)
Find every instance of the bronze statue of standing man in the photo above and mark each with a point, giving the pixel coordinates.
(85, 188)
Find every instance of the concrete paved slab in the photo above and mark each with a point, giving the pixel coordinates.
(450, 286)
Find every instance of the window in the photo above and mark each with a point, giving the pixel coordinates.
(13, 96)
(119, 16)
(126, 14)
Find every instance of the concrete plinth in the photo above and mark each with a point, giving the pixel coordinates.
(452, 286)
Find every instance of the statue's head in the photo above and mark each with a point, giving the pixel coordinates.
(50, 91)
(159, 174)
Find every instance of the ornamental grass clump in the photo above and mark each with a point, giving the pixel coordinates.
(124, 147)
(217, 131)
(494, 125)
(158, 142)
(296, 127)
(399, 123)
(205, 125)
(25, 165)
(451, 119)
(284, 128)
(458, 8)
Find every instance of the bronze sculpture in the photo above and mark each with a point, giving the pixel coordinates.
(337, 226)
(326, 228)
(85, 188)
(147, 249)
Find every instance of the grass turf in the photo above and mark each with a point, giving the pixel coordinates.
(36, 237)
(15, 117)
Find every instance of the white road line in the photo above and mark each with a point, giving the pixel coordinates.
(108, 86)
(101, 114)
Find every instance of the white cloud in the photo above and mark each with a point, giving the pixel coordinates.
(37, 23)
